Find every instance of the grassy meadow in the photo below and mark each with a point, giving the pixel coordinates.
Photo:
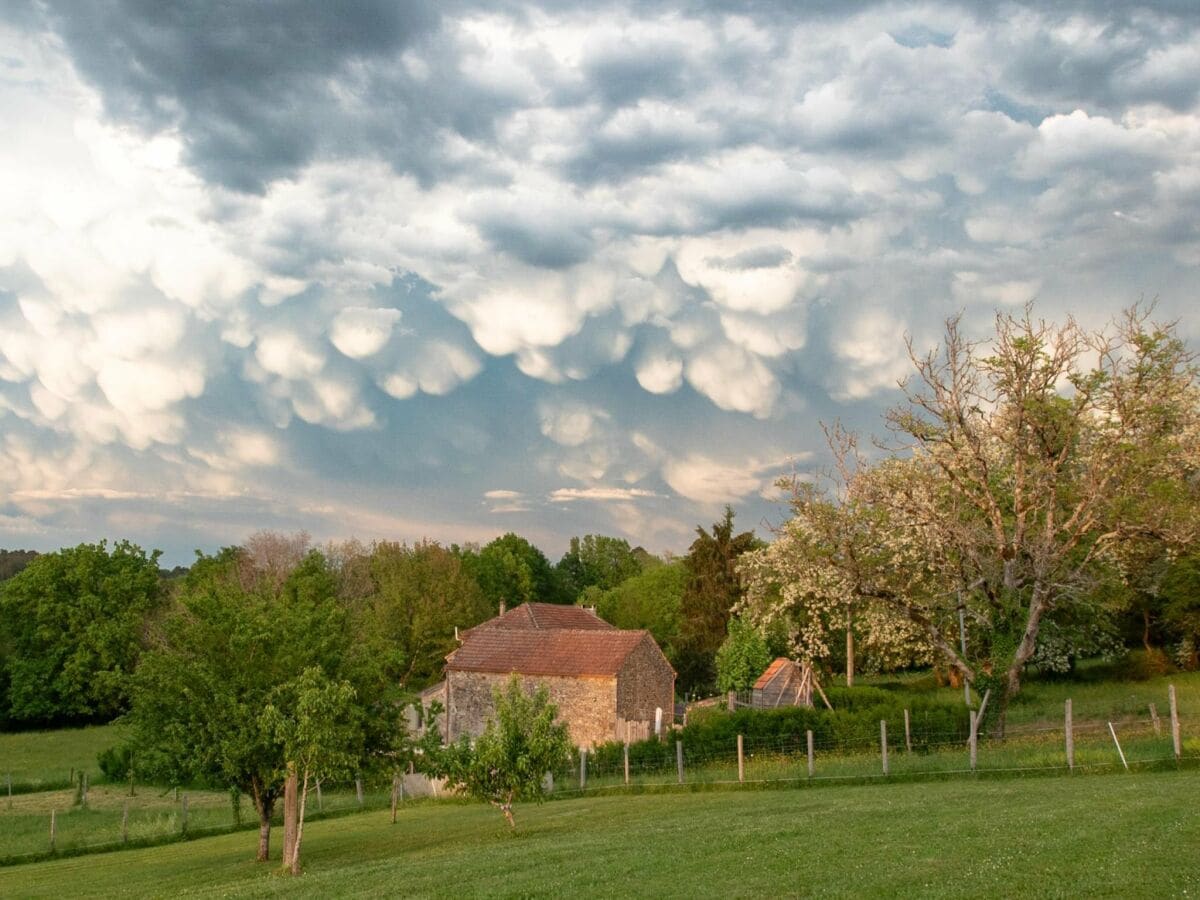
(39, 759)
(1119, 835)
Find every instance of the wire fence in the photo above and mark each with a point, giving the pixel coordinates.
(84, 819)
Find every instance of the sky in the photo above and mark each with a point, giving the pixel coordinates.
(444, 270)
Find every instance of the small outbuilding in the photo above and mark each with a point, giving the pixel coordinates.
(784, 683)
(608, 684)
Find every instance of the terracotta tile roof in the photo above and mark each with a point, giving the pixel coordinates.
(772, 670)
(545, 651)
(529, 616)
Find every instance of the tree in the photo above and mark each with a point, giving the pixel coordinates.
(418, 595)
(651, 600)
(70, 632)
(710, 594)
(242, 635)
(742, 658)
(1016, 475)
(508, 762)
(319, 725)
(596, 561)
(13, 561)
(513, 571)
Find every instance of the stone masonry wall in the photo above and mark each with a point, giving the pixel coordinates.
(645, 682)
(587, 705)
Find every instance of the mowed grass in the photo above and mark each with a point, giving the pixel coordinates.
(1120, 835)
(34, 758)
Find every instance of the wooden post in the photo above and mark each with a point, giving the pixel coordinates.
(883, 744)
(627, 763)
(8, 782)
(731, 701)
(907, 732)
(679, 759)
(974, 740)
(53, 830)
(131, 791)
(741, 761)
(125, 823)
(1154, 718)
(811, 766)
(582, 768)
(395, 794)
(1176, 739)
(1070, 733)
(358, 790)
(1113, 732)
(83, 788)
(183, 825)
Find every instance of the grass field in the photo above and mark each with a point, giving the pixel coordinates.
(38, 758)
(1120, 835)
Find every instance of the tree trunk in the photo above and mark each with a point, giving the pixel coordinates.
(1023, 654)
(295, 860)
(1146, 630)
(290, 811)
(849, 648)
(265, 805)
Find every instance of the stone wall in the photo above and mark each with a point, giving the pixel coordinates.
(586, 704)
(645, 682)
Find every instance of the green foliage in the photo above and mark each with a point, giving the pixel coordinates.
(70, 632)
(597, 561)
(742, 658)
(507, 763)
(1181, 612)
(711, 591)
(650, 600)
(13, 561)
(513, 571)
(417, 596)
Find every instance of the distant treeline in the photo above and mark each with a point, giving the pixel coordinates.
(13, 561)
(74, 622)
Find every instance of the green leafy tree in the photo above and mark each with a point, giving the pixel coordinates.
(247, 625)
(70, 631)
(320, 727)
(13, 561)
(513, 571)
(651, 600)
(598, 561)
(742, 658)
(508, 762)
(712, 590)
(418, 595)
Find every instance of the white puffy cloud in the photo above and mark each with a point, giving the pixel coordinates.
(359, 332)
(711, 481)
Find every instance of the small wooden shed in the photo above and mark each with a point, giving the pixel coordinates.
(784, 683)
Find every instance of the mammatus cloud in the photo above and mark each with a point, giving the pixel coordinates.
(350, 265)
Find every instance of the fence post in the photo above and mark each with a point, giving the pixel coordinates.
(1154, 718)
(53, 830)
(395, 792)
(1070, 732)
(582, 768)
(1175, 736)
(125, 823)
(358, 790)
(811, 767)
(883, 744)
(974, 740)
(731, 700)
(907, 732)
(679, 759)
(183, 825)
(1113, 732)
(83, 788)
(741, 761)
(627, 763)
(8, 782)
(131, 790)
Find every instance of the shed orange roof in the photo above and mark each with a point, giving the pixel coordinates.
(545, 651)
(771, 671)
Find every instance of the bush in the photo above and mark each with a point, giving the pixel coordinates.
(115, 762)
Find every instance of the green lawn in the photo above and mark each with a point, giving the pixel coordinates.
(1120, 835)
(34, 758)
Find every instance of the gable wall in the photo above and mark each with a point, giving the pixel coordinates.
(646, 682)
(586, 705)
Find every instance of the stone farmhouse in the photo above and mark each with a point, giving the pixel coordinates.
(608, 684)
